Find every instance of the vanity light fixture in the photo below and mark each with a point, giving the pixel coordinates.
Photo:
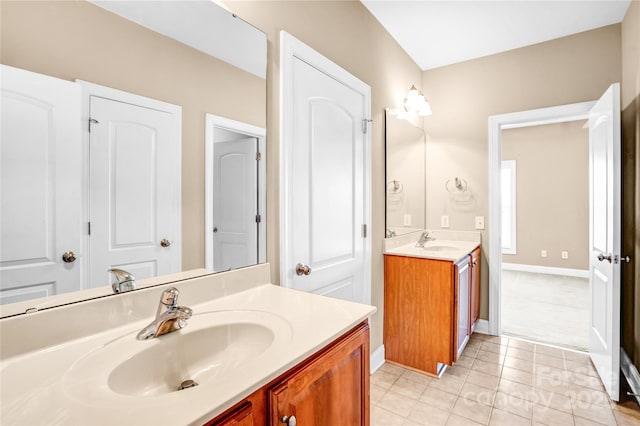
(416, 103)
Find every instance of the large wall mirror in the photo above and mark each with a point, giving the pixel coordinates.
(125, 64)
(405, 157)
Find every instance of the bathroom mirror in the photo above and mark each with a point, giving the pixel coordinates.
(193, 54)
(405, 159)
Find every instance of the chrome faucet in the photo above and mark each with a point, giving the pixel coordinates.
(169, 316)
(424, 238)
(125, 281)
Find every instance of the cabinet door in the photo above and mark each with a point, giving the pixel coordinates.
(463, 275)
(242, 417)
(475, 287)
(331, 390)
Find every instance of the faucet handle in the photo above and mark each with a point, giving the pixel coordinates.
(170, 297)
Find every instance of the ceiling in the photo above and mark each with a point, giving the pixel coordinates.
(438, 33)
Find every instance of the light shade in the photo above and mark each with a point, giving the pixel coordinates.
(416, 103)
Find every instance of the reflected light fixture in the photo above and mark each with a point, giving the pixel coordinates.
(416, 103)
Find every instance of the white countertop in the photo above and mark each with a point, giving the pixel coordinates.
(38, 386)
(450, 246)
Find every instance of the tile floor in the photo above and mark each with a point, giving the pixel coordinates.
(499, 381)
(546, 308)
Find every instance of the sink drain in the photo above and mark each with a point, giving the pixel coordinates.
(187, 384)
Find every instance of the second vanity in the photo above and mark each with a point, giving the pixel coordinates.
(432, 298)
(260, 354)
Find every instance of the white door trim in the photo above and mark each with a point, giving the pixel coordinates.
(497, 123)
(91, 89)
(215, 121)
(291, 48)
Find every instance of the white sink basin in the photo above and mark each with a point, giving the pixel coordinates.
(207, 350)
(439, 248)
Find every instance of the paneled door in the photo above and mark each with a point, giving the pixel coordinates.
(604, 238)
(135, 205)
(325, 177)
(40, 150)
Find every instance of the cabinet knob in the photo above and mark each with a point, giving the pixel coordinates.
(302, 269)
(289, 420)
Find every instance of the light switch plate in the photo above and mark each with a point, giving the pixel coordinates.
(407, 220)
(444, 221)
(543, 253)
(565, 254)
(479, 222)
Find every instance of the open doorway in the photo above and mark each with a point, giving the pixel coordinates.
(545, 234)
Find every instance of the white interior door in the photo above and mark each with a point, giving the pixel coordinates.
(235, 204)
(604, 239)
(134, 190)
(326, 183)
(41, 151)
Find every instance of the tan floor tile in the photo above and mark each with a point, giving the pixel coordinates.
(549, 361)
(498, 340)
(495, 348)
(450, 384)
(579, 357)
(549, 351)
(550, 378)
(486, 367)
(456, 420)
(521, 344)
(396, 370)
(517, 389)
(485, 380)
(409, 388)
(383, 379)
(520, 354)
(439, 399)
(581, 368)
(414, 376)
(397, 404)
(504, 418)
(477, 393)
(585, 396)
(490, 357)
(376, 393)
(472, 410)
(585, 381)
(382, 417)
(579, 421)
(517, 376)
(411, 423)
(596, 413)
(519, 364)
(457, 371)
(465, 361)
(513, 404)
(549, 416)
(428, 415)
(557, 401)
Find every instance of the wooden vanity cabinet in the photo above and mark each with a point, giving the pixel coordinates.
(329, 388)
(429, 310)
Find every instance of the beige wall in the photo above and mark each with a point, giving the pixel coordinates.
(77, 40)
(552, 193)
(572, 69)
(346, 33)
(630, 89)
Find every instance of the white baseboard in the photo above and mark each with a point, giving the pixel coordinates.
(377, 359)
(482, 327)
(630, 373)
(567, 272)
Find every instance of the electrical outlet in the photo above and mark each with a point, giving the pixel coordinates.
(407, 220)
(479, 222)
(543, 253)
(444, 221)
(565, 254)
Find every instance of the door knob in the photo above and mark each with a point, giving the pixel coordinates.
(289, 420)
(302, 269)
(215, 230)
(165, 243)
(602, 257)
(69, 257)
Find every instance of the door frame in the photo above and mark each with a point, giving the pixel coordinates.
(291, 48)
(260, 133)
(92, 89)
(497, 123)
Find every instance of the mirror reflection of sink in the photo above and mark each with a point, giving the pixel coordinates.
(212, 346)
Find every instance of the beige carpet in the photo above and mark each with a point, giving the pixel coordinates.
(546, 308)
